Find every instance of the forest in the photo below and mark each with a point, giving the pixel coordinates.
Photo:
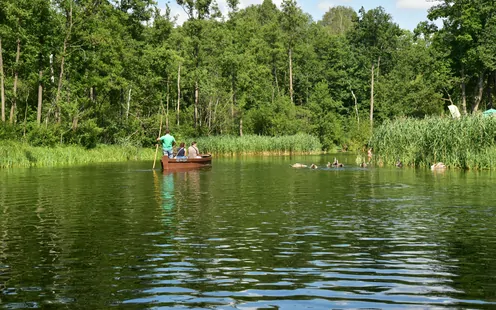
(88, 72)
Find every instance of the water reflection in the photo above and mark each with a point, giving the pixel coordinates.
(247, 234)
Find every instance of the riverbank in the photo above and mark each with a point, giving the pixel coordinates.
(466, 143)
(18, 154)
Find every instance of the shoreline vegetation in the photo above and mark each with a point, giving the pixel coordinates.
(18, 154)
(21, 154)
(466, 143)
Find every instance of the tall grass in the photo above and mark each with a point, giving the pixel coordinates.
(252, 144)
(467, 143)
(16, 154)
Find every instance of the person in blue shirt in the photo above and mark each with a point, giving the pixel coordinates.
(168, 142)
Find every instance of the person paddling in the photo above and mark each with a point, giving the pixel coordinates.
(168, 142)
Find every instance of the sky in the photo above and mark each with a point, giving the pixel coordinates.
(406, 13)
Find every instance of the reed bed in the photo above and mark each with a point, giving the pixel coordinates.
(466, 143)
(16, 154)
(258, 145)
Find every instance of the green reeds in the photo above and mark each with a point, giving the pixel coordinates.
(466, 143)
(16, 154)
(252, 144)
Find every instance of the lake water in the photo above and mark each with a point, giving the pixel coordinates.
(248, 233)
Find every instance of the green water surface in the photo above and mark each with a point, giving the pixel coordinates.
(247, 233)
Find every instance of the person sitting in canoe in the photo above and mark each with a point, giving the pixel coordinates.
(193, 151)
(181, 153)
(168, 142)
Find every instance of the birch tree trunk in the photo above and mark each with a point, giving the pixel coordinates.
(128, 105)
(40, 97)
(197, 95)
(291, 74)
(178, 91)
(233, 102)
(61, 75)
(209, 114)
(16, 75)
(2, 89)
(464, 93)
(372, 98)
(356, 107)
(167, 106)
(480, 91)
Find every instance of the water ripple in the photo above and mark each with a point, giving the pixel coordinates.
(245, 235)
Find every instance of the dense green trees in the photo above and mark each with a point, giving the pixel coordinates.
(88, 72)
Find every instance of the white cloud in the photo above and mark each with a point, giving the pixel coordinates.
(415, 4)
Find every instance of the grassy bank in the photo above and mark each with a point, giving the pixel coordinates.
(467, 143)
(252, 144)
(16, 154)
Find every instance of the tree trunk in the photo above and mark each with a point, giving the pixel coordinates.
(372, 98)
(40, 97)
(2, 89)
(215, 110)
(233, 102)
(241, 126)
(480, 91)
(277, 82)
(356, 107)
(167, 105)
(25, 116)
(128, 105)
(75, 120)
(61, 75)
(52, 72)
(464, 93)
(490, 90)
(378, 69)
(16, 75)
(178, 91)
(291, 74)
(210, 114)
(197, 95)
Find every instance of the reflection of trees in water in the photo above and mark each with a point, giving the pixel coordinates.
(4, 235)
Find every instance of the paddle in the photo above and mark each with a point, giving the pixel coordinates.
(156, 148)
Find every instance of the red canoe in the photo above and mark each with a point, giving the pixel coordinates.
(185, 163)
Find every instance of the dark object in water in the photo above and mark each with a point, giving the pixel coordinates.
(336, 164)
(399, 164)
